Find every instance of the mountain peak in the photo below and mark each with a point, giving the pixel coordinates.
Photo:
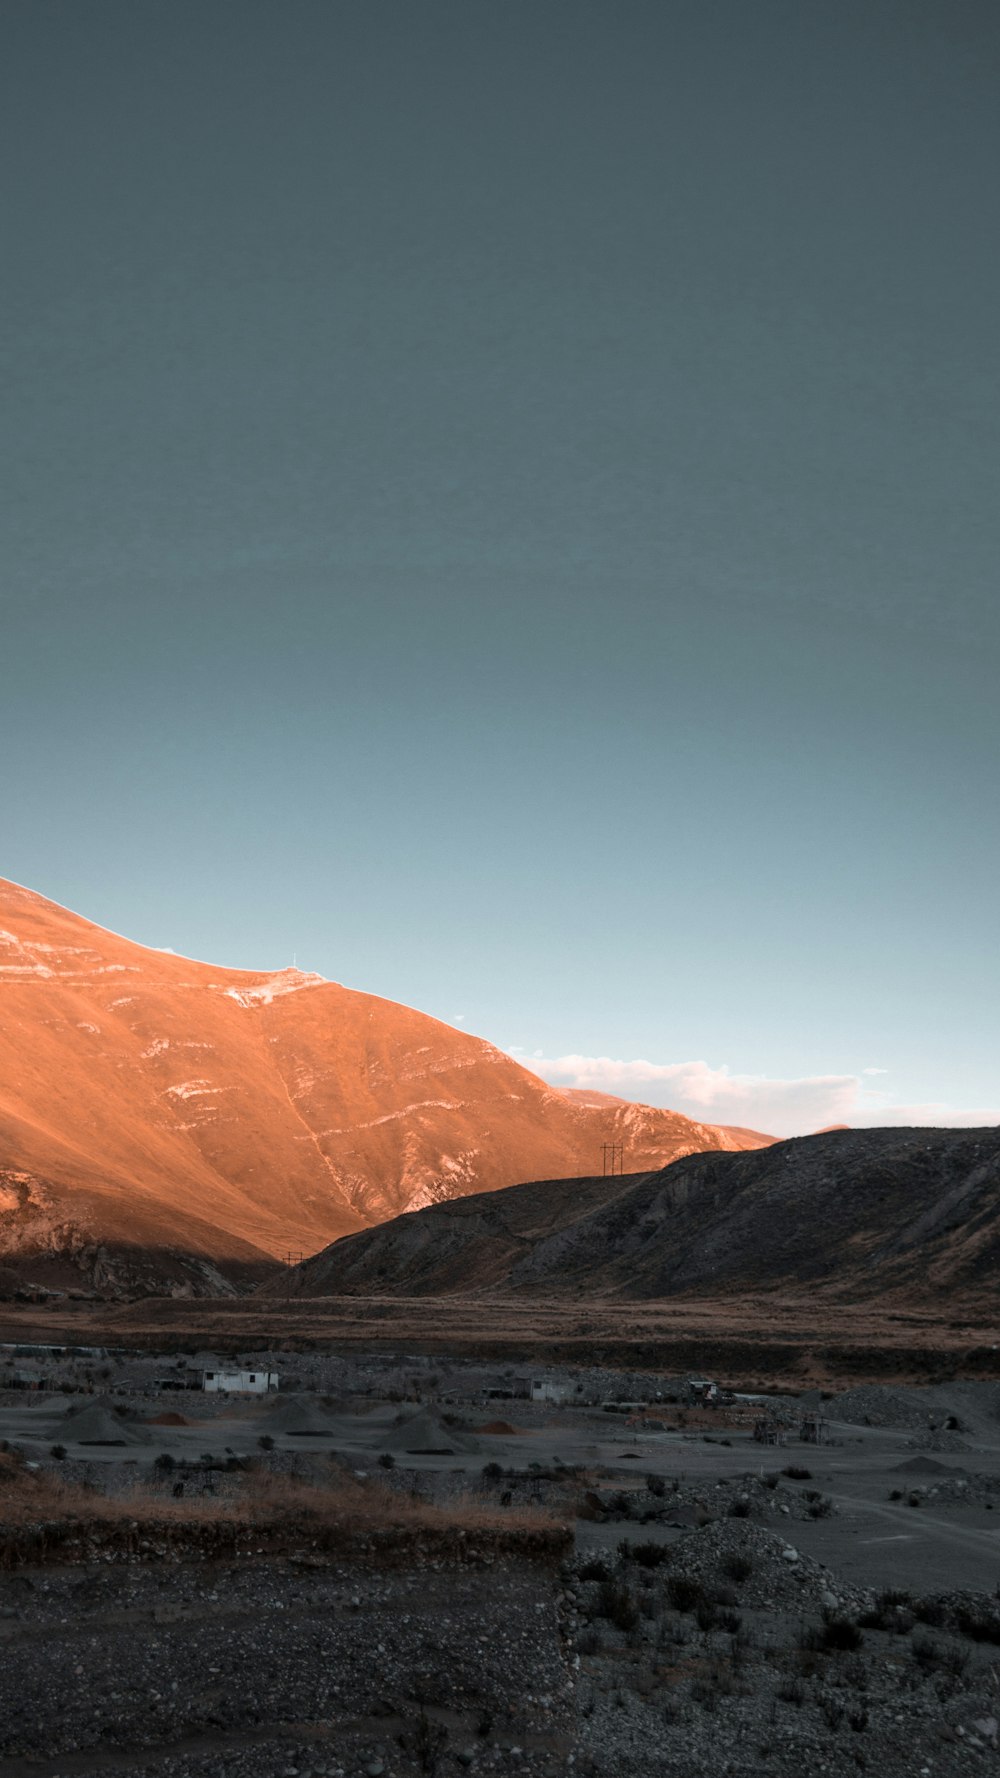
(152, 1103)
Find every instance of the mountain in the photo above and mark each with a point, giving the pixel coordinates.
(856, 1212)
(164, 1121)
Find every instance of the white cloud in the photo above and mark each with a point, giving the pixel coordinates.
(874, 1070)
(714, 1095)
(931, 1112)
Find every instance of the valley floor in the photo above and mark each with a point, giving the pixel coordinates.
(794, 1339)
(719, 1608)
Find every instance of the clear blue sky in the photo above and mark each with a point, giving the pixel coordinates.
(502, 502)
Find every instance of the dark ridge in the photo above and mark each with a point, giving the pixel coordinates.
(853, 1212)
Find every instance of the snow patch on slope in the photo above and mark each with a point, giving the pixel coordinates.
(283, 981)
(195, 1089)
(389, 1117)
(437, 1185)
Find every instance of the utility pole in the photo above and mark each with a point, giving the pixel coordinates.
(614, 1158)
(291, 1261)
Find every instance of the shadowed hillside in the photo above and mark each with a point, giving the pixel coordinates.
(853, 1211)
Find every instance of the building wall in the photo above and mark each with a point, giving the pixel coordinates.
(239, 1382)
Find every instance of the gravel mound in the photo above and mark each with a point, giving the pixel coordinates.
(98, 1424)
(299, 1416)
(924, 1466)
(876, 1404)
(939, 1441)
(426, 1431)
(780, 1577)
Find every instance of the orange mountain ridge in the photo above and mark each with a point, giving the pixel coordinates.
(154, 1105)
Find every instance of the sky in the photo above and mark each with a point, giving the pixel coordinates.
(501, 507)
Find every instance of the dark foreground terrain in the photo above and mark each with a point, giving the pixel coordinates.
(727, 1652)
(258, 1666)
(395, 1566)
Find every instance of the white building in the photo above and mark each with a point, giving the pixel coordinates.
(539, 1389)
(239, 1382)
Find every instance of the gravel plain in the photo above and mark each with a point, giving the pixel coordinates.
(728, 1609)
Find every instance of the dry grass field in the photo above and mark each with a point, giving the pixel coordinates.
(793, 1340)
(262, 1501)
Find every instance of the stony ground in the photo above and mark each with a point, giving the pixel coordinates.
(724, 1654)
(257, 1669)
(695, 1633)
(729, 1654)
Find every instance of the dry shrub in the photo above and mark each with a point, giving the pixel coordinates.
(346, 1499)
(28, 1497)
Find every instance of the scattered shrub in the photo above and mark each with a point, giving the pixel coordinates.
(835, 1634)
(59, 1452)
(711, 1685)
(165, 1462)
(978, 1623)
(615, 1602)
(822, 1508)
(739, 1568)
(595, 1569)
(891, 1611)
(672, 1633)
(683, 1592)
(265, 1442)
(930, 1654)
(647, 1555)
(739, 1508)
(796, 1473)
(387, 1460)
(492, 1472)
